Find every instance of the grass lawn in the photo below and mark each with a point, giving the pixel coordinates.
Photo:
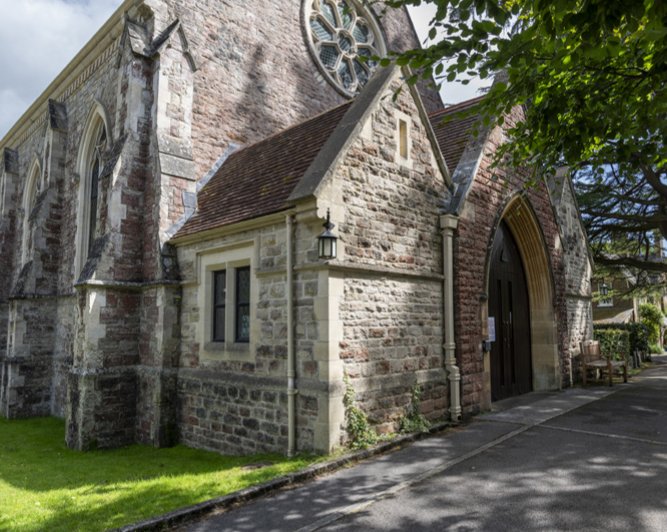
(45, 486)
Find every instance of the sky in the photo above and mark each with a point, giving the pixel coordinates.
(39, 37)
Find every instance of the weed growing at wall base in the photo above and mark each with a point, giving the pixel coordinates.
(45, 486)
(358, 428)
(414, 420)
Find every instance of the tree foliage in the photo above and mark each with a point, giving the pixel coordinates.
(651, 316)
(622, 215)
(591, 75)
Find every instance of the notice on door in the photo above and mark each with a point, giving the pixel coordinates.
(491, 329)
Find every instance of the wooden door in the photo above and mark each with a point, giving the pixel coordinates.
(511, 371)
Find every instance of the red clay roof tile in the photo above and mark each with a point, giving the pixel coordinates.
(257, 180)
(454, 133)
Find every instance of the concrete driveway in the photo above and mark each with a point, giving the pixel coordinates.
(593, 459)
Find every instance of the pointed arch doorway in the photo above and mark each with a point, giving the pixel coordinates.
(511, 366)
(540, 331)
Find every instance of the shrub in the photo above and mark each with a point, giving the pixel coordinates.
(638, 334)
(651, 316)
(614, 343)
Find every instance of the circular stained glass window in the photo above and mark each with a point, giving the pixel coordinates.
(343, 38)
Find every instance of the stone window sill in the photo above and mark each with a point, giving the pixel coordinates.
(228, 351)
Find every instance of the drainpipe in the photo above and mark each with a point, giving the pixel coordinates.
(448, 224)
(291, 362)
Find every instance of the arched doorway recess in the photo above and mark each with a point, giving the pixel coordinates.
(511, 372)
(520, 221)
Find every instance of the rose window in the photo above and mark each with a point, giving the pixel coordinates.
(343, 39)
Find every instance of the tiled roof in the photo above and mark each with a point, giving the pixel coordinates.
(453, 134)
(257, 180)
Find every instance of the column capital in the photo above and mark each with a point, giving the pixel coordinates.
(449, 222)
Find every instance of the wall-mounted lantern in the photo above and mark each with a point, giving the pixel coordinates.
(604, 289)
(327, 240)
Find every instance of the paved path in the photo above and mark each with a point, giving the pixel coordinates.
(593, 459)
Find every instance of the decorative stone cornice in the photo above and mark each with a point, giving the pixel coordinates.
(94, 54)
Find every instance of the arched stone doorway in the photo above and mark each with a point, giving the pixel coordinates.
(511, 372)
(520, 222)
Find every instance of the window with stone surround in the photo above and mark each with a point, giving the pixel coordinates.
(227, 297)
(240, 306)
(343, 38)
(95, 169)
(29, 196)
(403, 138)
(94, 146)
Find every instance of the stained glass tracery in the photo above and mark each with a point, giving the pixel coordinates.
(344, 39)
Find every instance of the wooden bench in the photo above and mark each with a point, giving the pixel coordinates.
(592, 359)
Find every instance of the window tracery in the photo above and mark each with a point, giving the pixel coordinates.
(95, 166)
(29, 197)
(95, 144)
(343, 38)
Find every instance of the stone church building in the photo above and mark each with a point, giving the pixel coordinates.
(161, 205)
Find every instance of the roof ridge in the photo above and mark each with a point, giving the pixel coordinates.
(457, 106)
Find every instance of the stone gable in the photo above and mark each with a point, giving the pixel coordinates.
(390, 261)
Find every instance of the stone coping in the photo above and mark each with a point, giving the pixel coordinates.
(292, 480)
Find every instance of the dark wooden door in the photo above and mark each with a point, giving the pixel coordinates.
(511, 371)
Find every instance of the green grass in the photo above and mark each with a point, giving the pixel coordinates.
(45, 486)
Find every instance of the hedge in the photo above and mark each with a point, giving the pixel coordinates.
(638, 335)
(614, 343)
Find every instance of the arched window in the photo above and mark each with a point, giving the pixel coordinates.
(95, 143)
(94, 170)
(29, 196)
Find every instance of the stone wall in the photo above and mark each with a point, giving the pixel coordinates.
(578, 268)
(63, 353)
(392, 342)
(230, 414)
(391, 206)
(390, 259)
(234, 398)
(29, 359)
(256, 75)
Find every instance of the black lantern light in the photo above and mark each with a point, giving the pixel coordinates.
(604, 289)
(327, 240)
